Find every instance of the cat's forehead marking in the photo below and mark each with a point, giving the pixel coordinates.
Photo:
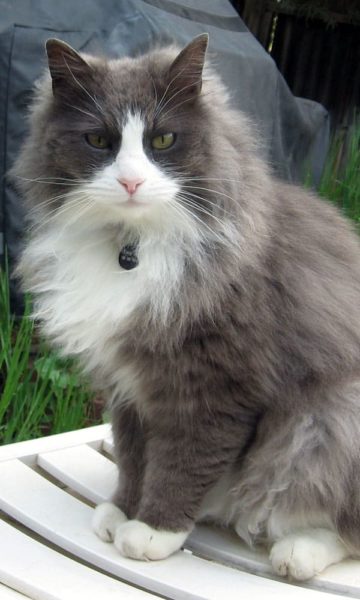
(132, 133)
(131, 161)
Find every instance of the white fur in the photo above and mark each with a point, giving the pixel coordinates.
(106, 518)
(85, 296)
(135, 539)
(303, 554)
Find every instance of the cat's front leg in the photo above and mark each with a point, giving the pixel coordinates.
(129, 440)
(180, 469)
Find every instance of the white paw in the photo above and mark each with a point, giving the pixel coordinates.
(107, 517)
(135, 539)
(305, 554)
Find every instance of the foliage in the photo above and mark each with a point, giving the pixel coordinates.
(40, 393)
(340, 182)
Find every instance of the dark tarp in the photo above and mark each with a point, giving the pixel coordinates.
(294, 131)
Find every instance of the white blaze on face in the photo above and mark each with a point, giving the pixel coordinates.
(131, 160)
(132, 164)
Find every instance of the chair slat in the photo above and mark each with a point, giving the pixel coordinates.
(26, 450)
(7, 593)
(94, 476)
(64, 520)
(108, 445)
(84, 469)
(34, 569)
(225, 546)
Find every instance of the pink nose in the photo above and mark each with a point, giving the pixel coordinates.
(131, 185)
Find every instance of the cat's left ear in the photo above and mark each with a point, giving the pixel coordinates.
(185, 73)
(66, 66)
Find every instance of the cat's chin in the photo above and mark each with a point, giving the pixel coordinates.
(128, 211)
(137, 210)
(133, 204)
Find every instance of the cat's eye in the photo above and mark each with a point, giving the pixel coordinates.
(162, 142)
(97, 141)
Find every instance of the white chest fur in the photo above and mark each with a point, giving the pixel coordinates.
(83, 297)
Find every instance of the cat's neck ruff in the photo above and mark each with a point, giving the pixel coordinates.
(83, 298)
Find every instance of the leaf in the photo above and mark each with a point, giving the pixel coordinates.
(49, 368)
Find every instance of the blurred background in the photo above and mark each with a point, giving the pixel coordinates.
(316, 47)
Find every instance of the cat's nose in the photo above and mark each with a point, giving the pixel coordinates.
(131, 185)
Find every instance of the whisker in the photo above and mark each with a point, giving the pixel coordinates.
(82, 87)
(159, 107)
(85, 112)
(52, 199)
(84, 206)
(59, 212)
(165, 115)
(54, 181)
(193, 187)
(201, 209)
(212, 232)
(205, 178)
(221, 208)
(177, 93)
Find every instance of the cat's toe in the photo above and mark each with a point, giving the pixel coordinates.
(135, 539)
(297, 558)
(106, 518)
(306, 553)
(290, 558)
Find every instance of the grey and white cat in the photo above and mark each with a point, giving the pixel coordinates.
(230, 353)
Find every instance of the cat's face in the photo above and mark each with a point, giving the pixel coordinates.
(125, 137)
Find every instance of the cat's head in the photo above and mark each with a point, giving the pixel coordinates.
(120, 140)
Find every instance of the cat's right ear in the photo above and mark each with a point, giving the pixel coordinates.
(66, 66)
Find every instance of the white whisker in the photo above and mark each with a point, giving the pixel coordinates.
(85, 112)
(214, 204)
(83, 88)
(213, 234)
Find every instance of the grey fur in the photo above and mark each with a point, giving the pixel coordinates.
(255, 371)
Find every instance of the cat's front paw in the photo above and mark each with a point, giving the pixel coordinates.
(135, 539)
(305, 554)
(107, 517)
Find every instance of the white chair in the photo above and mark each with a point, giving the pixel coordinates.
(48, 551)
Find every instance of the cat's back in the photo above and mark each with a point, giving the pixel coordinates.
(314, 269)
(314, 233)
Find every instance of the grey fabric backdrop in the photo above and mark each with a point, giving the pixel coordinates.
(294, 131)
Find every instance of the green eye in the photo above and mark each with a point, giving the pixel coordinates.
(97, 141)
(162, 142)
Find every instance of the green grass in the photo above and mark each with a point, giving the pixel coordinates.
(42, 394)
(340, 182)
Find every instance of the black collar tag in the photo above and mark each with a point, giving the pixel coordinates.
(128, 257)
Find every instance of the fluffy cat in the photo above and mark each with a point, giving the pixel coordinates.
(230, 350)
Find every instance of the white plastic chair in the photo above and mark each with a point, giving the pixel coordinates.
(48, 551)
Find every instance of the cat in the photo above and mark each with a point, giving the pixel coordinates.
(217, 307)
